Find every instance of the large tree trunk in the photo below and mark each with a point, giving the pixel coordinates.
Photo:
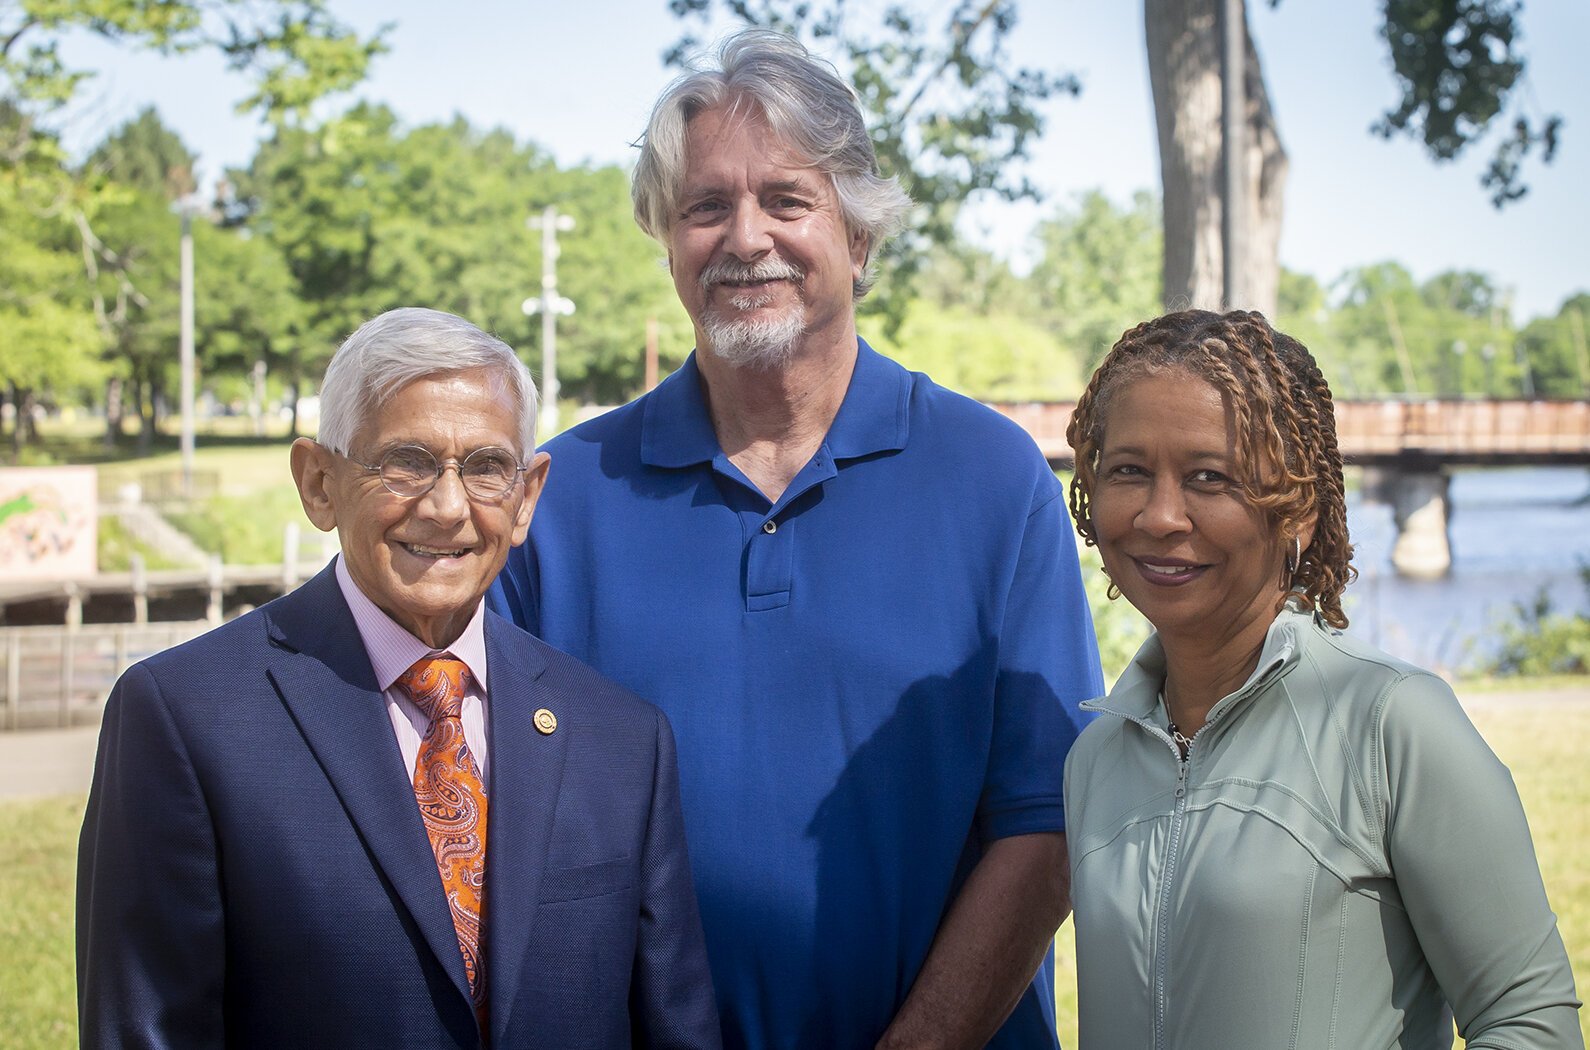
(1183, 38)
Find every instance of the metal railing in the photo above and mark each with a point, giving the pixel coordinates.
(60, 676)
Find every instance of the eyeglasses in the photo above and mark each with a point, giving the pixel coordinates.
(488, 474)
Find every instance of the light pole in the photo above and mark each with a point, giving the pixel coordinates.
(549, 305)
(185, 345)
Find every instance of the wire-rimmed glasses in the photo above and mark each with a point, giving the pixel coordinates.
(488, 474)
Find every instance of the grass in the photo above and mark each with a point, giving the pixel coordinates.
(37, 970)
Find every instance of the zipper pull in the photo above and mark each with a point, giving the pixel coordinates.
(1181, 778)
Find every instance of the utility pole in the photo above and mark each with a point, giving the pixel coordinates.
(1234, 154)
(549, 305)
(185, 347)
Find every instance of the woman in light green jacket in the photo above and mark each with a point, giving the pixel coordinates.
(1280, 838)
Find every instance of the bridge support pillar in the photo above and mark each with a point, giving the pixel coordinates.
(1420, 508)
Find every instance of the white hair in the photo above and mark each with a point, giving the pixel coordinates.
(392, 350)
(805, 104)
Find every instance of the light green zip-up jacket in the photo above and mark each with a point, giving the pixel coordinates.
(1340, 857)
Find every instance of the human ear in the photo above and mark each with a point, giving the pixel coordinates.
(535, 479)
(311, 466)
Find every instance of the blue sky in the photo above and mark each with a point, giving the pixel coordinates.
(578, 79)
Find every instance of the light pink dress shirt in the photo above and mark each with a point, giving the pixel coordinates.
(393, 650)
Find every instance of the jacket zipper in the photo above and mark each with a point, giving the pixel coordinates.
(1167, 877)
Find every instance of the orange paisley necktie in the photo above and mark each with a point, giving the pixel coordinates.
(453, 802)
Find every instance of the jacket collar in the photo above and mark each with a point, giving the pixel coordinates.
(327, 683)
(676, 429)
(1136, 692)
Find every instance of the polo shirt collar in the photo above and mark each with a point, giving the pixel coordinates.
(676, 430)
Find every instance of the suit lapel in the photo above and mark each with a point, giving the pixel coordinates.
(328, 686)
(526, 772)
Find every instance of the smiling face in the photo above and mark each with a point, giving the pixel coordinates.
(426, 561)
(757, 246)
(1174, 527)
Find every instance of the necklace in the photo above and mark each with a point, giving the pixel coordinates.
(1183, 742)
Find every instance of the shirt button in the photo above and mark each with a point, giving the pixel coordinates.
(770, 526)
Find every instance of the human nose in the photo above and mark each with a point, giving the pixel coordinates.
(1165, 512)
(447, 501)
(749, 234)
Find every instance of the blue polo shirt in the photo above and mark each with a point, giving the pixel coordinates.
(869, 679)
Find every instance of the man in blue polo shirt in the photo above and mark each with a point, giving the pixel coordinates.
(854, 593)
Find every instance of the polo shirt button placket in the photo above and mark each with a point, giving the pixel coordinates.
(769, 566)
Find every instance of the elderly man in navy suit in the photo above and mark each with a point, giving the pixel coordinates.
(372, 813)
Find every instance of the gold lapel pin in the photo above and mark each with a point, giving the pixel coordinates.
(546, 721)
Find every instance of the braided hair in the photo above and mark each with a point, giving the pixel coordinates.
(1289, 466)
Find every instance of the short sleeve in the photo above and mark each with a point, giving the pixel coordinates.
(1048, 665)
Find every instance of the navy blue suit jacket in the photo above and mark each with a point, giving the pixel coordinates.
(253, 869)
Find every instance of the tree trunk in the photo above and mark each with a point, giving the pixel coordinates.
(113, 412)
(146, 415)
(1183, 41)
(16, 423)
(27, 430)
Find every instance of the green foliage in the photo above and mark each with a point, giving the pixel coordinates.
(368, 216)
(116, 547)
(1556, 351)
(1542, 641)
(49, 337)
(295, 51)
(993, 357)
(1120, 629)
(243, 529)
(1099, 273)
(1448, 337)
(88, 255)
(1457, 65)
(951, 116)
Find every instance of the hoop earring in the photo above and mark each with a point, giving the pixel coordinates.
(1294, 558)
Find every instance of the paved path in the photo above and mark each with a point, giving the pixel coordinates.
(47, 761)
(61, 761)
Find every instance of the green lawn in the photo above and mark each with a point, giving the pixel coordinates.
(39, 841)
(1540, 740)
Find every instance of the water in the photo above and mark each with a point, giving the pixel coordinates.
(1513, 532)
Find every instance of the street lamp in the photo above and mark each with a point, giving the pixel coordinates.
(186, 207)
(550, 305)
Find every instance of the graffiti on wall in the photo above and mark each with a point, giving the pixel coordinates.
(48, 522)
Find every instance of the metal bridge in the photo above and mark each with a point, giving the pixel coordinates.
(1406, 449)
(1405, 435)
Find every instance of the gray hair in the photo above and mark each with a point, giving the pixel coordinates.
(392, 350)
(805, 104)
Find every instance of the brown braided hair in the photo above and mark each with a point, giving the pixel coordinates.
(1285, 419)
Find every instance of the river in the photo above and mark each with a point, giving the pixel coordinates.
(1513, 531)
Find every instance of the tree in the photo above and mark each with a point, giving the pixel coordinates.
(294, 50)
(994, 357)
(1456, 63)
(130, 252)
(1447, 337)
(49, 340)
(1099, 272)
(1554, 351)
(368, 215)
(951, 116)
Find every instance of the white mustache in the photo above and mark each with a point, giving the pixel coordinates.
(733, 271)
